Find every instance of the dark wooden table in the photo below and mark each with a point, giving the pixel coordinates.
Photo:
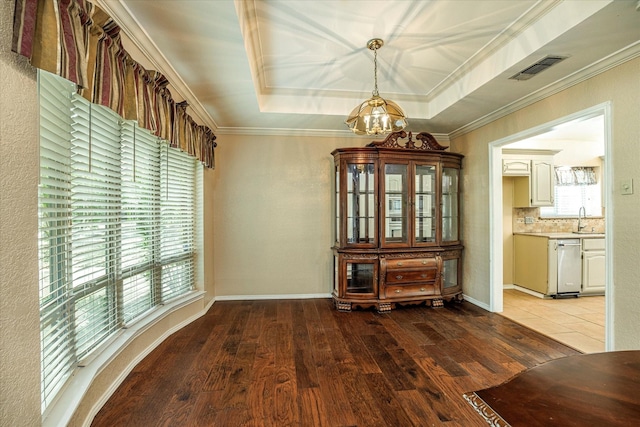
(601, 389)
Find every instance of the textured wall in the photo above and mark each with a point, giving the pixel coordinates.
(19, 318)
(620, 86)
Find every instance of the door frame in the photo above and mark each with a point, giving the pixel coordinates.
(495, 208)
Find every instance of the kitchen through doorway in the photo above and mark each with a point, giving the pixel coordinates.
(580, 140)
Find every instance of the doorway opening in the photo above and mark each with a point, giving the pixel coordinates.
(600, 113)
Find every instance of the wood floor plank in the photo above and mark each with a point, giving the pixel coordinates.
(302, 363)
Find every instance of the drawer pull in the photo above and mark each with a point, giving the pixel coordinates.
(398, 277)
(399, 264)
(424, 262)
(424, 276)
(422, 289)
(397, 291)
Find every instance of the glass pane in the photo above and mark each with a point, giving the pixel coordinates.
(360, 203)
(359, 278)
(450, 204)
(450, 273)
(395, 200)
(336, 274)
(337, 207)
(425, 203)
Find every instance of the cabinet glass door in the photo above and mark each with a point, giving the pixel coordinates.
(450, 204)
(337, 206)
(361, 212)
(449, 275)
(395, 202)
(361, 279)
(424, 204)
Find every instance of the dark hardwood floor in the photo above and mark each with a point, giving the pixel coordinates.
(302, 363)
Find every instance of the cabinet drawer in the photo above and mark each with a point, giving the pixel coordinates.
(596, 244)
(427, 275)
(402, 264)
(410, 291)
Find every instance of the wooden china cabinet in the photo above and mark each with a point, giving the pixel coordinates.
(397, 224)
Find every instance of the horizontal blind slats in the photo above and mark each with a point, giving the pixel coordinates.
(116, 226)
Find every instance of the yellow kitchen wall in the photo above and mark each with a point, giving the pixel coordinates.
(507, 231)
(621, 87)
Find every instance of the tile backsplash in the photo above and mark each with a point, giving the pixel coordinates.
(522, 223)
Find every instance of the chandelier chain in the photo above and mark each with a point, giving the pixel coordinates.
(375, 71)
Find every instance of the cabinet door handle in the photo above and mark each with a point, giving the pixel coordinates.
(397, 291)
(398, 277)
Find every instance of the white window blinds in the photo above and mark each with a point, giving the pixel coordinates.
(116, 226)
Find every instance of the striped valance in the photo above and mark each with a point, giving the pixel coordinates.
(80, 42)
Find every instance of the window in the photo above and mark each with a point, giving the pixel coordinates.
(574, 188)
(116, 226)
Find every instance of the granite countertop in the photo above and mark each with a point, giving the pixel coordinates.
(565, 235)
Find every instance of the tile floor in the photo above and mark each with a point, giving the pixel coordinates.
(576, 322)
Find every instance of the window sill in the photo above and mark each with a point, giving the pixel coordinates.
(69, 398)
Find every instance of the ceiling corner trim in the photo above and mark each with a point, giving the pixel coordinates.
(515, 29)
(248, 20)
(628, 53)
(141, 40)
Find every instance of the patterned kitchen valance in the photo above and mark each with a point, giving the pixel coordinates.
(580, 175)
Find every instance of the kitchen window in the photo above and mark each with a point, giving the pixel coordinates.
(574, 188)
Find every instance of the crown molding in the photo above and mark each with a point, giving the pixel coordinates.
(131, 27)
(623, 55)
(314, 133)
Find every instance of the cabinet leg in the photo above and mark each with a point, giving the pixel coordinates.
(436, 303)
(342, 306)
(384, 307)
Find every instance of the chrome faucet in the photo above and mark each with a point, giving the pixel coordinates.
(582, 213)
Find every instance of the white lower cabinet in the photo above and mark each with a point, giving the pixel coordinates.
(593, 266)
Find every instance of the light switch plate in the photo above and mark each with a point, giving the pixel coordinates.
(626, 187)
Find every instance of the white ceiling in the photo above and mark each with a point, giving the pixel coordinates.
(301, 66)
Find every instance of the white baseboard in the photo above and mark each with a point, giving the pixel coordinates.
(264, 297)
(476, 302)
(528, 291)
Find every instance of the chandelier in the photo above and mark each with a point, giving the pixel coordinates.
(376, 115)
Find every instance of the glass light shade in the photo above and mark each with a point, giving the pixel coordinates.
(376, 116)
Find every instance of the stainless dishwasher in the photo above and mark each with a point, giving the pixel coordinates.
(569, 267)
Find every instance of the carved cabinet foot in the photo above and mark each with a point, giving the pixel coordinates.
(436, 303)
(384, 307)
(342, 306)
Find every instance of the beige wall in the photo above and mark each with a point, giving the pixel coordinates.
(507, 231)
(621, 87)
(19, 316)
(273, 214)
